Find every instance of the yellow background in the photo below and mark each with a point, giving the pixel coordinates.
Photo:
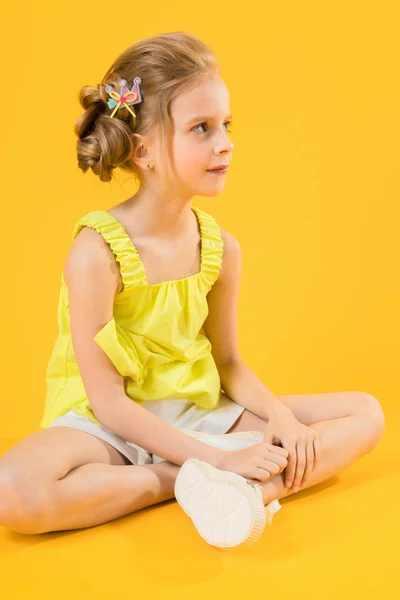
(313, 198)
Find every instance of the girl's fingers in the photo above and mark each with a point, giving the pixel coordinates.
(317, 450)
(310, 460)
(291, 466)
(301, 465)
(280, 451)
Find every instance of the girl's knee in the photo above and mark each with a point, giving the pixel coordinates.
(372, 412)
(22, 507)
(375, 412)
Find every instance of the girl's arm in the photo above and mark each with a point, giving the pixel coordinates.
(92, 277)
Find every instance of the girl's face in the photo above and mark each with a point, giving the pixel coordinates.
(200, 139)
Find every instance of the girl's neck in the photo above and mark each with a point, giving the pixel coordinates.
(153, 217)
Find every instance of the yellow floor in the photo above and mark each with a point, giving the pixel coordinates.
(336, 540)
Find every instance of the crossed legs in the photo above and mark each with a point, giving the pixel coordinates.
(350, 424)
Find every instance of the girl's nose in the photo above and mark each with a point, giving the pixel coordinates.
(226, 145)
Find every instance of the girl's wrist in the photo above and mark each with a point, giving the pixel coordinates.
(278, 410)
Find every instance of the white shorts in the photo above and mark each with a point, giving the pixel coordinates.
(181, 414)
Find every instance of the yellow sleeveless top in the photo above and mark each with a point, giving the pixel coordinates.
(155, 339)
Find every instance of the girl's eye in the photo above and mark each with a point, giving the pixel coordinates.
(227, 123)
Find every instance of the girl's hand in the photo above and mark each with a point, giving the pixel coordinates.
(301, 442)
(258, 462)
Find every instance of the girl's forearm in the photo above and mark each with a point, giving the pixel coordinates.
(243, 386)
(140, 426)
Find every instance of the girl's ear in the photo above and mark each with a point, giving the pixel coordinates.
(141, 153)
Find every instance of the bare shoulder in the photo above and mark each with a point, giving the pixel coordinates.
(231, 257)
(231, 244)
(90, 253)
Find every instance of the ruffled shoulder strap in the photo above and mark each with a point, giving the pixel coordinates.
(212, 246)
(131, 267)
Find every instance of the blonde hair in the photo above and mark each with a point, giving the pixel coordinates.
(168, 64)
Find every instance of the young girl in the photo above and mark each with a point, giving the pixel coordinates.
(146, 373)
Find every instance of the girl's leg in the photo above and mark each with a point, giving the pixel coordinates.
(90, 495)
(64, 478)
(344, 439)
(95, 493)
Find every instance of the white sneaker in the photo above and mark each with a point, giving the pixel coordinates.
(226, 508)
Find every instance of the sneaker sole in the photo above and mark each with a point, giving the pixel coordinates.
(226, 509)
